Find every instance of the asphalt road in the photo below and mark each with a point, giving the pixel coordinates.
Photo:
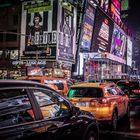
(128, 129)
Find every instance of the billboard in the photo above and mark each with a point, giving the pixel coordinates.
(102, 35)
(118, 46)
(66, 29)
(39, 34)
(104, 4)
(129, 52)
(87, 28)
(116, 3)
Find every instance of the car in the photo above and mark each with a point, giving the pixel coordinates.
(132, 88)
(59, 84)
(104, 100)
(30, 110)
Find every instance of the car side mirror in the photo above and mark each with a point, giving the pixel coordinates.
(126, 92)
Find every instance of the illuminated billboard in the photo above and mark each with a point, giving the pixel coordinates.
(104, 4)
(39, 35)
(102, 34)
(87, 29)
(129, 52)
(116, 3)
(66, 30)
(118, 46)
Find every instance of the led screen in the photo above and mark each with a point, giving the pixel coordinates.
(102, 35)
(116, 3)
(118, 46)
(86, 32)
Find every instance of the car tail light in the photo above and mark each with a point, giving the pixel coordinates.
(103, 101)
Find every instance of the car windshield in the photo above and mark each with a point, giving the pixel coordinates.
(85, 92)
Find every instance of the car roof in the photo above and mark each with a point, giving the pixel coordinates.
(40, 78)
(20, 83)
(98, 84)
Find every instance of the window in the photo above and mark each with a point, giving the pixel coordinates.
(85, 92)
(15, 107)
(50, 104)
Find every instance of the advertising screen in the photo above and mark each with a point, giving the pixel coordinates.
(129, 52)
(118, 46)
(66, 29)
(87, 29)
(102, 35)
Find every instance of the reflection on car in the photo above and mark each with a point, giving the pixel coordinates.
(30, 110)
(105, 100)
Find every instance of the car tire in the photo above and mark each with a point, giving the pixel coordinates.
(91, 135)
(114, 120)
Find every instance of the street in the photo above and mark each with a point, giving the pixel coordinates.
(128, 129)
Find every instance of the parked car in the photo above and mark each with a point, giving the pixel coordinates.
(104, 100)
(59, 84)
(30, 110)
(130, 87)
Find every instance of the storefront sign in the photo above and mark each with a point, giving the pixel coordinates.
(29, 62)
(116, 58)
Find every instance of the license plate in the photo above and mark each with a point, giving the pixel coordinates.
(81, 104)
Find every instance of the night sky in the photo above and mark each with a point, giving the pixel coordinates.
(133, 19)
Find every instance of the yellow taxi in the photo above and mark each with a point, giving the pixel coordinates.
(58, 84)
(105, 101)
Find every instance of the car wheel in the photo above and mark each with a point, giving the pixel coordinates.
(91, 136)
(114, 120)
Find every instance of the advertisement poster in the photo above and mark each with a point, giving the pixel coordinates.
(102, 34)
(118, 46)
(41, 36)
(87, 28)
(66, 29)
